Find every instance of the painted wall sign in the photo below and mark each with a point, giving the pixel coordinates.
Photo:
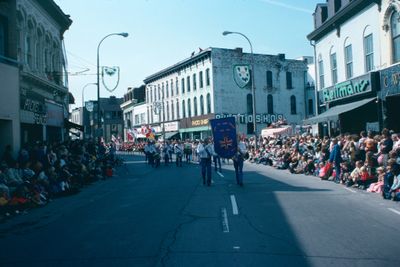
(246, 118)
(201, 122)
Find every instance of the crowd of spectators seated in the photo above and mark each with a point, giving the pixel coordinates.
(42, 172)
(366, 161)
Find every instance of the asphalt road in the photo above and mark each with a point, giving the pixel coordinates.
(166, 217)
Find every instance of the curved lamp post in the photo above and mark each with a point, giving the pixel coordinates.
(83, 93)
(253, 86)
(123, 34)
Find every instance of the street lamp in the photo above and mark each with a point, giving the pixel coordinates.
(123, 34)
(253, 86)
(158, 107)
(83, 93)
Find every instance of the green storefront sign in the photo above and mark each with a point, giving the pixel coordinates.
(345, 89)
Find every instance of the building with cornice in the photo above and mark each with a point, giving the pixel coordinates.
(189, 93)
(33, 56)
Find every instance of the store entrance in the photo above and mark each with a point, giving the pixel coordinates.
(393, 113)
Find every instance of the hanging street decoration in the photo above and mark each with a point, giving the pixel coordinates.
(110, 74)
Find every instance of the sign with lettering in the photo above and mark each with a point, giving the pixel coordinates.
(246, 118)
(390, 80)
(200, 122)
(346, 89)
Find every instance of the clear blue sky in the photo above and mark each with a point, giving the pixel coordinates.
(163, 32)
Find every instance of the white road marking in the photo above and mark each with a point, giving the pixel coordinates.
(220, 174)
(225, 224)
(135, 162)
(395, 211)
(235, 209)
(351, 190)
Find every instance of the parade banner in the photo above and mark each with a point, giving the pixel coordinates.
(224, 134)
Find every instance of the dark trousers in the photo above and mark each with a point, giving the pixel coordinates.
(217, 162)
(151, 158)
(337, 173)
(166, 159)
(238, 164)
(206, 170)
(179, 160)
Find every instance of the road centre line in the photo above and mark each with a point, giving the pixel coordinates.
(225, 224)
(235, 209)
(351, 190)
(395, 211)
(220, 174)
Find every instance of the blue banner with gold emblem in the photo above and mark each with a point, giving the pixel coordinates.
(224, 134)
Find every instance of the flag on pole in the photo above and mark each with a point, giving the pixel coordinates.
(224, 134)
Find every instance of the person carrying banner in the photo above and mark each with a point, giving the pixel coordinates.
(238, 160)
(205, 152)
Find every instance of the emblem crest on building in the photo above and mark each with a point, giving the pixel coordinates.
(241, 75)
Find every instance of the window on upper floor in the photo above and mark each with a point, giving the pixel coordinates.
(249, 103)
(208, 103)
(183, 85)
(207, 77)
(177, 109)
(166, 89)
(3, 36)
(348, 57)
(189, 108)
(395, 31)
(310, 107)
(369, 52)
(338, 5)
(201, 105)
(270, 104)
(195, 106)
(269, 79)
(194, 82)
(172, 87)
(201, 79)
(176, 86)
(188, 83)
(321, 72)
(334, 68)
(289, 82)
(183, 109)
(293, 109)
(167, 107)
(172, 111)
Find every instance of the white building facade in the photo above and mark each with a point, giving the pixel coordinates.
(203, 87)
(347, 43)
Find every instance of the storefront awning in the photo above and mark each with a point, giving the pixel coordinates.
(170, 135)
(70, 125)
(276, 131)
(333, 113)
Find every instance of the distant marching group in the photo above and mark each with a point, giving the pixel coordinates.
(196, 151)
